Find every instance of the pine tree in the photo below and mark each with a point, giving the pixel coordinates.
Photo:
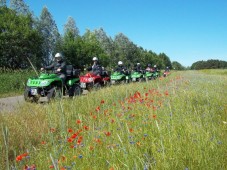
(49, 31)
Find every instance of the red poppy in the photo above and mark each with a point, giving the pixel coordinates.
(19, 158)
(78, 121)
(97, 109)
(102, 102)
(154, 116)
(131, 130)
(107, 133)
(70, 140)
(86, 127)
(70, 130)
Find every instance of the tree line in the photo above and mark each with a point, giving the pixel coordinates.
(25, 37)
(209, 64)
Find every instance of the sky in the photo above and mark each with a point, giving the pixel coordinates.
(185, 30)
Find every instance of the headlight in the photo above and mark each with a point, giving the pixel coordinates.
(90, 79)
(44, 82)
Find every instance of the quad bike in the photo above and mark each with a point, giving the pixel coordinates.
(91, 81)
(138, 76)
(156, 74)
(149, 75)
(118, 77)
(166, 73)
(50, 86)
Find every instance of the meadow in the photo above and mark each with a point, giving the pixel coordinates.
(13, 82)
(177, 122)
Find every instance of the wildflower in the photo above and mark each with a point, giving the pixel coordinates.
(52, 130)
(80, 156)
(70, 140)
(79, 140)
(91, 148)
(97, 109)
(107, 133)
(86, 127)
(51, 166)
(166, 93)
(43, 142)
(70, 130)
(94, 117)
(102, 102)
(112, 121)
(19, 158)
(154, 116)
(131, 130)
(78, 121)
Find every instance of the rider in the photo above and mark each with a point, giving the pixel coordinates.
(59, 66)
(167, 69)
(149, 69)
(120, 68)
(96, 68)
(138, 68)
(155, 68)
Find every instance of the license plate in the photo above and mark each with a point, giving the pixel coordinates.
(83, 85)
(33, 91)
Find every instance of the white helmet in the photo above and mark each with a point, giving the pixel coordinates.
(120, 63)
(58, 55)
(95, 59)
(155, 66)
(138, 63)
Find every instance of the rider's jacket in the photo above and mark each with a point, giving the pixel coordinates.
(56, 65)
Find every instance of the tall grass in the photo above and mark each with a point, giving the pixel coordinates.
(178, 122)
(13, 81)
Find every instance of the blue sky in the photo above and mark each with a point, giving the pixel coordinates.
(185, 30)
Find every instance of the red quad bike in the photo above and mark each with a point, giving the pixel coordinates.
(91, 81)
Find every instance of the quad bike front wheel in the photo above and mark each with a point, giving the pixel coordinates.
(54, 93)
(75, 90)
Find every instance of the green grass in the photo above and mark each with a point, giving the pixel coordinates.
(179, 122)
(13, 81)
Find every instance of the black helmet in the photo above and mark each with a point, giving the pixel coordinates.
(149, 65)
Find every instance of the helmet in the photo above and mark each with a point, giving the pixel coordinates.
(95, 59)
(138, 63)
(155, 66)
(120, 63)
(58, 55)
(149, 65)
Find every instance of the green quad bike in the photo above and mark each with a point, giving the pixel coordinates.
(118, 77)
(49, 86)
(138, 76)
(149, 75)
(156, 74)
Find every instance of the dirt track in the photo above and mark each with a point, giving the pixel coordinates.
(11, 103)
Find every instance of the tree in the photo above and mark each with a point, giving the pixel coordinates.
(70, 28)
(20, 7)
(2, 3)
(177, 66)
(125, 50)
(165, 61)
(49, 31)
(105, 41)
(18, 40)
